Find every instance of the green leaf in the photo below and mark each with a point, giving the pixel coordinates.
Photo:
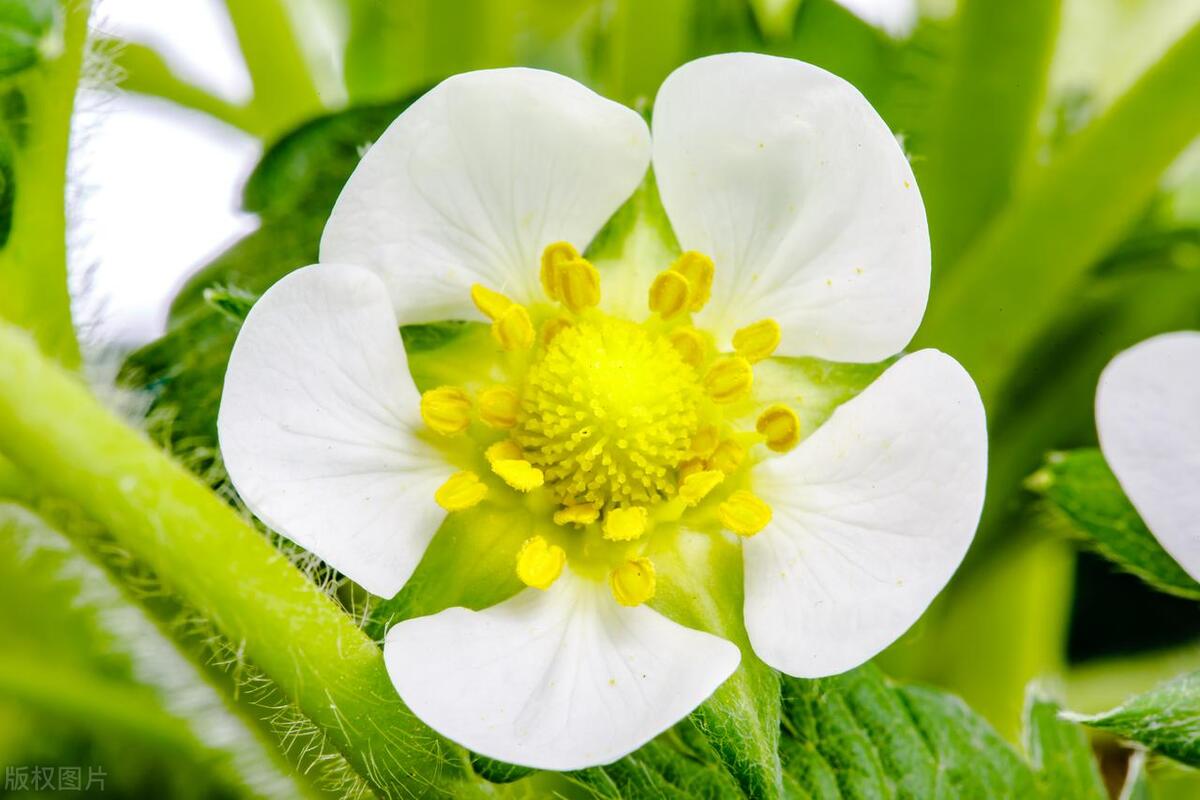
(1165, 719)
(1081, 485)
(1060, 752)
(27, 28)
(665, 768)
(856, 735)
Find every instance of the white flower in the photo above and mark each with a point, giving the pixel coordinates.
(610, 430)
(1148, 418)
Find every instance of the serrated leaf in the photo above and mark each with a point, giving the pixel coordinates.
(1165, 719)
(1081, 485)
(1060, 752)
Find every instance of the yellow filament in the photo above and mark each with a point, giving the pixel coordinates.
(669, 294)
(727, 457)
(633, 582)
(689, 467)
(689, 344)
(498, 406)
(583, 514)
(553, 257)
(513, 329)
(446, 409)
(698, 269)
(518, 473)
(780, 427)
(578, 285)
(729, 379)
(491, 304)
(539, 563)
(705, 440)
(553, 327)
(695, 487)
(744, 513)
(462, 490)
(757, 341)
(504, 450)
(625, 524)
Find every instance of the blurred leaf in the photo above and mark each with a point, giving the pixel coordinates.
(1080, 484)
(1137, 785)
(1165, 719)
(1060, 752)
(27, 31)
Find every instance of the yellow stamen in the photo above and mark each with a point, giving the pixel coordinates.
(633, 582)
(779, 425)
(578, 285)
(446, 409)
(625, 524)
(503, 450)
(553, 257)
(744, 513)
(491, 304)
(689, 467)
(695, 487)
(729, 379)
(518, 473)
(757, 341)
(553, 327)
(498, 406)
(513, 329)
(462, 490)
(669, 294)
(689, 344)
(540, 563)
(582, 514)
(698, 269)
(704, 441)
(728, 456)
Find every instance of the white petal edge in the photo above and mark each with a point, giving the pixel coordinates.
(872, 515)
(784, 175)
(562, 679)
(319, 426)
(1148, 420)
(475, 178)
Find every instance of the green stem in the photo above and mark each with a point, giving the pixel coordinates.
(1021, 273)
(33, 262)
(56, 432)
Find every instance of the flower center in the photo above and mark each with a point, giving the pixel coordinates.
(607, 413)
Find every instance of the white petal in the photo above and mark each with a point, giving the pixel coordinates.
(872, 515)
(476, 178)
(1148, 418)
(789, 180)
(562, 679)
(318, 426)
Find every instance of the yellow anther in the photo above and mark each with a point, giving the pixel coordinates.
(729, 379)
(689, 467)
(695, 487)
(518, 473)
(704, 441)
(633, 582)
(780, 427)
(553, 257)
(744, 513)
(669, 294)
(462, 490)
(498, 406)
(625, 524)
(698, 269)
(689, 344)
(504, 450)
(578, 285)
(727, 457)
(446, 409)
(491, 304)
(757, 341)
(583, 514)
(553, 327)
(512, 329)
(540, 563)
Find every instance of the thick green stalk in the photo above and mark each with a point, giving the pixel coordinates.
(984, 124)
(1021, 273)
(54, 430)
(33, 262)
